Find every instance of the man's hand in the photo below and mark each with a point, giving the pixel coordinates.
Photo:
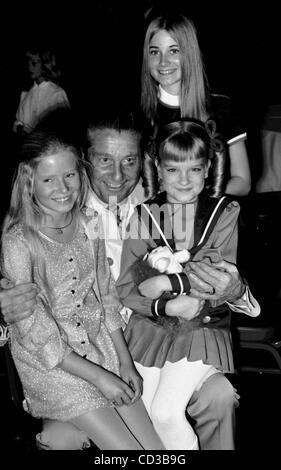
(223, 278)
(17, 301)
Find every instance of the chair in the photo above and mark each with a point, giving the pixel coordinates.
(257, 341)
(14, 381)
(25, 425)
(258, 349)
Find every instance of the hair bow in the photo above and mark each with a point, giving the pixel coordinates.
(215, 138)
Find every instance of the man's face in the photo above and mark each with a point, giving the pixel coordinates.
(116, 160)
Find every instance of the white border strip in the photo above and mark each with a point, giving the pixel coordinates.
(211, 218)
(158, 227)
(181, 283)
(156, 307)
(238, 137)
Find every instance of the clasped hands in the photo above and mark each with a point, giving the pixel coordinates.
(219, 281)
(123, 390)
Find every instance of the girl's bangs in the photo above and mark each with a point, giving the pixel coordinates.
(180, 153)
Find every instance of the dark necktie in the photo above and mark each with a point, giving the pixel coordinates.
(118, 217)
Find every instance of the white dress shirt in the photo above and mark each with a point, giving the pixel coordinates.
(113, 234)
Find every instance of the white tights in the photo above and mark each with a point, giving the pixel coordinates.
(166, 394)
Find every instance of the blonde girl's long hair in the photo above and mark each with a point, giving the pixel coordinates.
(24, 209)
(194, 84)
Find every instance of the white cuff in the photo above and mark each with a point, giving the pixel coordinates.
(247, 304)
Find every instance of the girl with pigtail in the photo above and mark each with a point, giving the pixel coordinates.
(174, 86)
(175, 339)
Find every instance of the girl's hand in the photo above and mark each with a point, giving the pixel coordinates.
(154, 287)
(131, 376)
(128, 372)
(113, 388)
(184, 306)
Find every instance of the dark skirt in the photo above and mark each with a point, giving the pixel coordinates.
(153, 341)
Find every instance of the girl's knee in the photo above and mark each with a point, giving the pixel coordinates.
(173, 428)
(165, 416)
(159, 415)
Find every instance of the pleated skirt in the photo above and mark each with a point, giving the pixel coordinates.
(153, 341)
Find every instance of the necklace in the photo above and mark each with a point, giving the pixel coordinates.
(59, 230)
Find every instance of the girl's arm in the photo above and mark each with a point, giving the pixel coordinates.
(110, 385)
(155, 286)
(38, 333)
(239, 183)
(135, 246)
(114, 322)
(184, 306)
(128, 371)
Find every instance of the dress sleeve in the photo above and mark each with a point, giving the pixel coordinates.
(112, 307)
(222, 243)
(228, 118)
(39, 334)
(19, 119)
(59, 99)
(135, 246)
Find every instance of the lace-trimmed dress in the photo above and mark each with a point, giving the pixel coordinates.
(76, 321)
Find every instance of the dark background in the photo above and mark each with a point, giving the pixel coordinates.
(99, 45)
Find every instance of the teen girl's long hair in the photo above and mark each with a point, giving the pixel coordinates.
(194, 84)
